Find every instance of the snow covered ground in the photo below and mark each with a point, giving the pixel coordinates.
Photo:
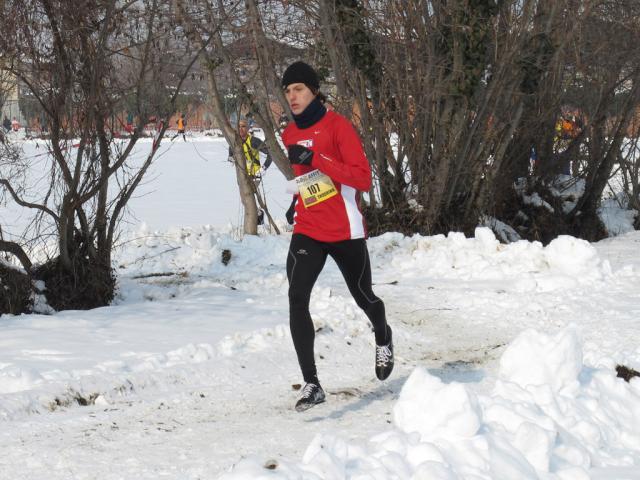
(190, 184)
(505, 357)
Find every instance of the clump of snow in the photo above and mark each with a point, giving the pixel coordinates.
(253, 341)
(574, 257)
(537, 201)
(561, 365)
(414, 205)
(423, 394)
(505, 233)
(616, 215)
(569, 189)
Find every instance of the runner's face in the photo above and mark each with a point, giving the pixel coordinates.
(299, 96)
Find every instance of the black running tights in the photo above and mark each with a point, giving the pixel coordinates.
(304, 263)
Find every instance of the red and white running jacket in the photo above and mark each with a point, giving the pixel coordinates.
(338, 153)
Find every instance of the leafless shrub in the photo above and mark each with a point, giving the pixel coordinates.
(85, 63)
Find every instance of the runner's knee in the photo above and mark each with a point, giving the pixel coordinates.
(299, 298)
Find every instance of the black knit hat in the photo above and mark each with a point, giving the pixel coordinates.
(300, 72)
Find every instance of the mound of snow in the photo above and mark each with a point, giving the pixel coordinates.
(435, 409)
(558, 365)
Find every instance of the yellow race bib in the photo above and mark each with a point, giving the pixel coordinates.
(315, 187)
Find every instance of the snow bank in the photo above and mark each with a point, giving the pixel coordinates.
(565, 263)
(548, 416)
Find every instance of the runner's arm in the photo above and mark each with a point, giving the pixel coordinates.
(354, 170)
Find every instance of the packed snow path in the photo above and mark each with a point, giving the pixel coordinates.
(198, 421)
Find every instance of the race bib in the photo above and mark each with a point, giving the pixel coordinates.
(315, 187)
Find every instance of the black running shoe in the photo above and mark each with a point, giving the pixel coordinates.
(312, 394)
(384, 359)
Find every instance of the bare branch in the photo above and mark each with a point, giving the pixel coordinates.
(18, 252)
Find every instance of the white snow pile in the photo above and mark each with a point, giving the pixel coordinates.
(548, 412)
(566, 261)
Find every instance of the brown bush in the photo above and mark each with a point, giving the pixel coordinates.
(15, 290)
(89, 285)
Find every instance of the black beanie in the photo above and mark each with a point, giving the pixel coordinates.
(300, 72)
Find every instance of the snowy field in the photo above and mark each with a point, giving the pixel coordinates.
(505, 356)
(189, 185)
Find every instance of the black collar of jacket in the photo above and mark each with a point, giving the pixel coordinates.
(311, 115)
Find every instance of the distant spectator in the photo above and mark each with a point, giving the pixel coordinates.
(252, 147)
(15, 124)
(44, 128)
(129, 126)
(567, 129)
(182, 123)
(6, 124)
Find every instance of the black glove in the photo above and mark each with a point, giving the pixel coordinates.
(299, 154)
(292, 210)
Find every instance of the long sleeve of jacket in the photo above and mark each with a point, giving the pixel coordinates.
(354, 169)
(261, 146)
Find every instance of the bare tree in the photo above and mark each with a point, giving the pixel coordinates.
(83, 62)
(212, 25)
(451, 98)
